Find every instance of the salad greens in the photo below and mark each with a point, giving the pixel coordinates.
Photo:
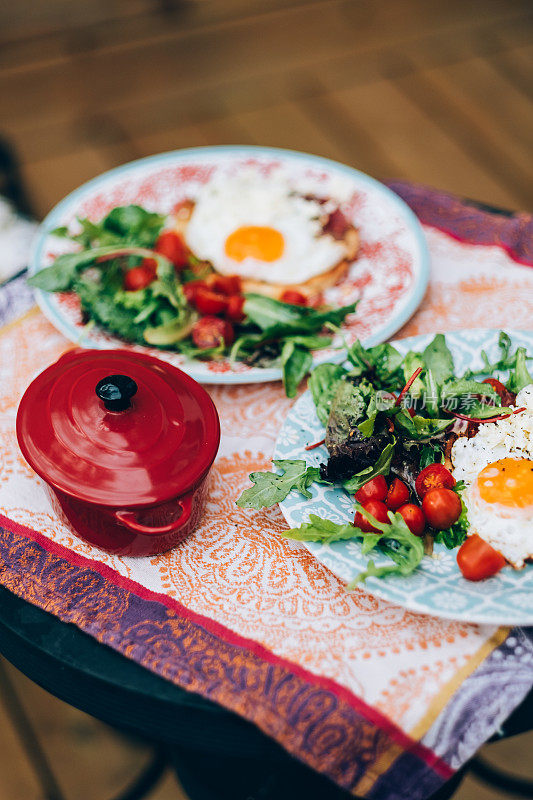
(272, 333)
(386, 413)
(271, 488)
(394, 540)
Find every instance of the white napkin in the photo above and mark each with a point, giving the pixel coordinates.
(16, 235)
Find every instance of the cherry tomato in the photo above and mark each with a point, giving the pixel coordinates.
(293, 297)
(234, 310)
(190, 288)
(414, 518)
(434, 476)
(171, 245)
(477, 559)
(208, 302)
(441, 507)
(378, 511)
(150, 263)
(138, 278)
(225, 284)
(211, 331)
(397, 495)
(374, 489)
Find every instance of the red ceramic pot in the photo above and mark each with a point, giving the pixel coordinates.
(125, 443)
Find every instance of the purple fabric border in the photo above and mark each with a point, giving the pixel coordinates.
(469, 223)
(311, 722)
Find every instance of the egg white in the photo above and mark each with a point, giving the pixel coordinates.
(229, 202)
(508, 530)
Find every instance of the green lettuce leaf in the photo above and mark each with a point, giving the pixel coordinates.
(381, 467)
(519, 376)
(438, 358)
(323, 383)
(295, 363)
(271, 488)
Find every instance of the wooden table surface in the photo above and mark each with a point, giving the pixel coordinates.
(435, 91)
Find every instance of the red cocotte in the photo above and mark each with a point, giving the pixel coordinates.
(125, 443)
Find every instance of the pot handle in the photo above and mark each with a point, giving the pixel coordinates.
(129, 519)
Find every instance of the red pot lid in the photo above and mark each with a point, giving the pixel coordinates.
(156, 449)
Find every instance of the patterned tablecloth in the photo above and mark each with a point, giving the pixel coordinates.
(386, 703)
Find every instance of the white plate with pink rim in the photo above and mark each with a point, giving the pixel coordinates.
(388, 278)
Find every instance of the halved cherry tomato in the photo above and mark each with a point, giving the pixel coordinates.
(378, 511)
(208, 302)
(414, 518)
(374, 489)
(225, 284)
(441, 507)
(211, 331)
(293, 297)
(150, 263)
(397, 495)
(234, 310)
(477, 560)
(138, 278)
(434, 476)
(171, 245)
(190, 288)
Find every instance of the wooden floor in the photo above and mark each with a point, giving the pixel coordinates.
(435, 91)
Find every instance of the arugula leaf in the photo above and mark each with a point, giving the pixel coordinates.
(123, 225)
(506, 361)
(366, 428)
(295, 363)
(432, 393)
(430, 454)
(483, 411)
(438, 358)
(323, 383)
(134, 224)
(381, 467)
(463, 386)
(61, 275)
(421, 428)
(395, 540)
(519, 376)
(382, 363)
(281, 319)
(404, 548)
(322, 530)
(271, 488)
(312, 341)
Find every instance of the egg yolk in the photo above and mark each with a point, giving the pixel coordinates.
(255, 241)
(508, 482)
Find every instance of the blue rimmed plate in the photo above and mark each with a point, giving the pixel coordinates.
(437, 586)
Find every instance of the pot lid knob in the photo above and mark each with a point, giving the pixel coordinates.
(116, 392)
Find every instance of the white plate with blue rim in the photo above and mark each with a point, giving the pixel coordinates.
(388, 278)
(437, 586)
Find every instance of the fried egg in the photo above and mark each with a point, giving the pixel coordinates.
(258, 227)
(497, 467)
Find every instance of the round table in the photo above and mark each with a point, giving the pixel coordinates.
(184, 729)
